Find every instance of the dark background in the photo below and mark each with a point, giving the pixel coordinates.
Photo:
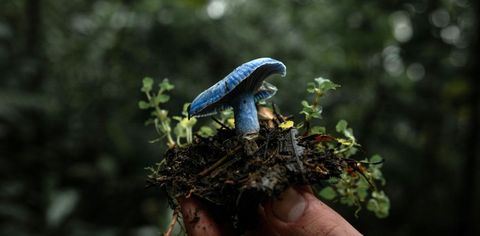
(73, 146)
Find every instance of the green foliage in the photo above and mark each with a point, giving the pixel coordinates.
(183, 131)
(348, 145)
(317, 130)
(313, 110)
(158, 116)
(226, 117)
(328, 193)
(356, 186)
(342, 127)
(205, 131)
(320, 86)
(379, 204)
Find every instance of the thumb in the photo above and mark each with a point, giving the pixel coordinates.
(299, 212)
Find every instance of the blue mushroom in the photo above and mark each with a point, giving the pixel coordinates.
(240, 90)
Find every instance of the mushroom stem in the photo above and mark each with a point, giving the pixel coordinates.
(246, 120)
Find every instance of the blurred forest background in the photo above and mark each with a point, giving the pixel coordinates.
(73, 145)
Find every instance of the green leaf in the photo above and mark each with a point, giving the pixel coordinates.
(379, 204)
(325, 84)
(178, 118)
(328, 193)
(362, 189)
(147, 84)
(311, 87)
(179, 130)
(305, 104)
(348, 199)
(205, 131)
(376, 159)
(317, 113)
(376, 173)
(226, 115)
(166, 85)
(317, 130)
(185, 109)
(300, 124)
(143, 105)
(189, 123)
(372, 205)
(341, 126)
(161, 98)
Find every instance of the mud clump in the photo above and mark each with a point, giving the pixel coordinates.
(235, 174)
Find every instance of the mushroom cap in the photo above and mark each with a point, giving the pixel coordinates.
(249, 77)
(266, 91)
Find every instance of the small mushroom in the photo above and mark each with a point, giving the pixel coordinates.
(240, 90)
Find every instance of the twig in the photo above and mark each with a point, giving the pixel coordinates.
(172, 224)
(219, 162)
(297, 151)
(226, 165)
(278, 115)
(229, 163)
(266, 147)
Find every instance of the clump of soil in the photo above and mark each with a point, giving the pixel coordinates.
(237, 174)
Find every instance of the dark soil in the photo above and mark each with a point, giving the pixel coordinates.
(236, 175)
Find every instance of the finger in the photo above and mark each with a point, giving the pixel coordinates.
(197, 219)
(299, 212)
(263, 227)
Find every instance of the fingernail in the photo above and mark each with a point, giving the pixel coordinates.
(289, 206)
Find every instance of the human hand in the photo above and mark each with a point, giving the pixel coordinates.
(295, 212)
